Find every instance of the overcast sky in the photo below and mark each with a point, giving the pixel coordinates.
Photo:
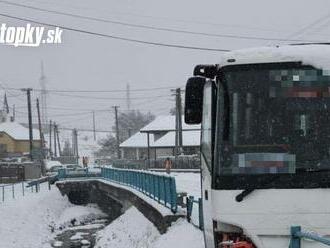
(92, 63)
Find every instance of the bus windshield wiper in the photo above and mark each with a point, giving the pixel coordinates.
(240, 197)
(243, 194)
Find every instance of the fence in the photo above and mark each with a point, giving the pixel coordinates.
(297, 235)
(129, 164)
(12, 172)
(181, 162)
(16, 190)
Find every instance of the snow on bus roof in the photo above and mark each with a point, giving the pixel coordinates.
(16, 130)
(317, 55)
(166, 123)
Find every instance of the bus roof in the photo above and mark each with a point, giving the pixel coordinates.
(317, 55)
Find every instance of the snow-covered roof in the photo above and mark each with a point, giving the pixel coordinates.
(138, 140)
(17, 131)
(317, 55)
(189, 138)
(166, 123)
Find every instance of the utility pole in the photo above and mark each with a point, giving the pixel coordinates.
(41, 136)
(58, 140)
(28, 94)
(43, 94)
(128, 97)
(178, 123)
(55, 145)
(94, 131)
(40, 130)
(50, 139)
(75, 144)
(179, 117)
(117, 131)
(14, 112)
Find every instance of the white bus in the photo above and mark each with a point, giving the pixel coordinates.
(265, 144)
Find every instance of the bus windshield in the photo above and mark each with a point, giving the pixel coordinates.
(279, 120)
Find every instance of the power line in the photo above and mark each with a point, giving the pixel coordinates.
(190, 21)
(98, 91)
(105, 98)
(149, 27)
(87, 130)
(116, 37)
(311, 25)
(69, 109)
(59, 115)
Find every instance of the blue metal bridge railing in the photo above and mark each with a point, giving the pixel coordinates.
(161, 188)
(297, 235)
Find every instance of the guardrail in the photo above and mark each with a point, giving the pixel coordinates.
(190, 203)
(297, 235)
(161, 188)
(16, 190)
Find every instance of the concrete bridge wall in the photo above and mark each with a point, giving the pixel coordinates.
(113, 200)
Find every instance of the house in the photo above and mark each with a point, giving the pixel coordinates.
(135, 147)
(14, 139)
(161, 136)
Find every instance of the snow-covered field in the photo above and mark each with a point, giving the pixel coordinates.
(33, 220)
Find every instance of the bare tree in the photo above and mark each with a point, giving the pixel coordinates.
(129, 123)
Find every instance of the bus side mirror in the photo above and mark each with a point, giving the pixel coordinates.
(194, 100)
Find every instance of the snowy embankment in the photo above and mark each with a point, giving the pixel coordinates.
(26, 222)
(133, 230)
(35, 219)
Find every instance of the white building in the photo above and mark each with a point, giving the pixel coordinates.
(161, 133)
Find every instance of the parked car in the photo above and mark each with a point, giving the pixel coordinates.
(72, 166)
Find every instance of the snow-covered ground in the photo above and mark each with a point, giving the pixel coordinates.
(33, 221)
(133, 230)
(12, 192)
(26, 222)
(191, 184)
(188, 182)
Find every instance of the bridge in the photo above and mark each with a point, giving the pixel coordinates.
(115, 190)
